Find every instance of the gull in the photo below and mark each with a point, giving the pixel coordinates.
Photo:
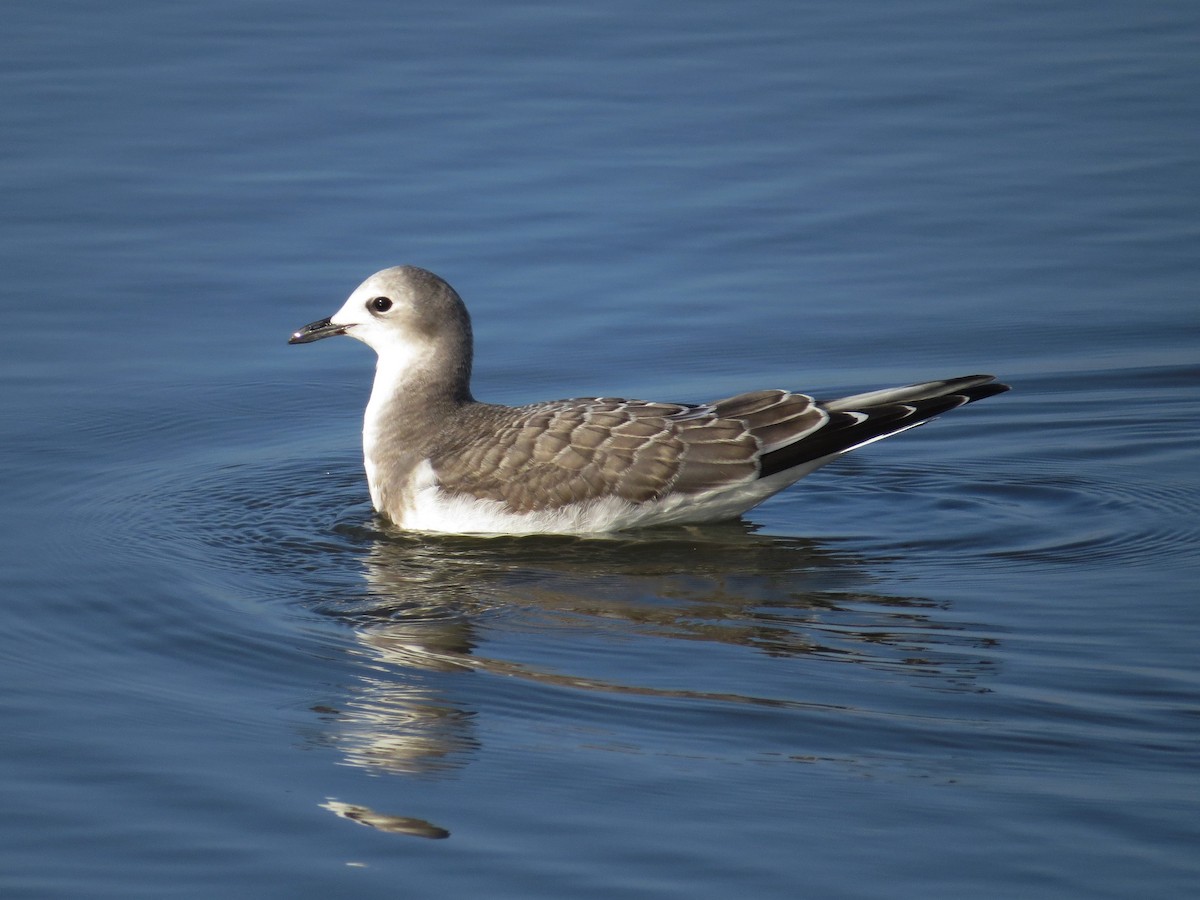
(438, 460)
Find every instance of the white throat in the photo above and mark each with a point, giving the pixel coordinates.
(397, 364)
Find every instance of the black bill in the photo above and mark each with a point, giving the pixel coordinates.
(314, 331)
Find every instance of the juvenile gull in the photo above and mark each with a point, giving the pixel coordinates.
(439, 460)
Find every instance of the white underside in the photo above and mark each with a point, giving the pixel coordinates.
(429, 508)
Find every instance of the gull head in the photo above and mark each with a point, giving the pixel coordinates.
(406, 315)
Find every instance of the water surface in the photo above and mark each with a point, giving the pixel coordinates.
(958, 663)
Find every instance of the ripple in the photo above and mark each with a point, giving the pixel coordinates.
(1071, 468)
(300, 533)
(288, 529)
(1051, 516)
(1066, 519)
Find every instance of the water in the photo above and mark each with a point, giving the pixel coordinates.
(960, 663)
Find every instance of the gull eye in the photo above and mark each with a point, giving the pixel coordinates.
(379, 304)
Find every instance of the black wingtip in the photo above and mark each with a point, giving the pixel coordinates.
(851, 427)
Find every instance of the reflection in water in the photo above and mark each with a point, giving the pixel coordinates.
(395, 824)
(430, 602)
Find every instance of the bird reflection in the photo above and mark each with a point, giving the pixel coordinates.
(429, 605)
(395, 824)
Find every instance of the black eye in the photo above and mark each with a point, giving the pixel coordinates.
(380, 304)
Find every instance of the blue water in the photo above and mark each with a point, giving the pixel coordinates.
(959, 663)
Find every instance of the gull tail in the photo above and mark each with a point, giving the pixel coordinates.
(861, 419)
